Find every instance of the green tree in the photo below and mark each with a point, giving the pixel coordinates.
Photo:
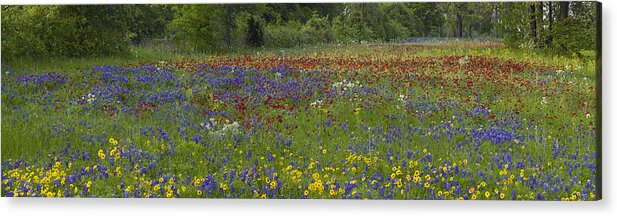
(147, 21)
(254, 35)
(198, 26)
(428, 17)
(20, 28)
(64, 30)
(318, 29)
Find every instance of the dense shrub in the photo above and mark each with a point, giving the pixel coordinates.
(66, 30)
(570, 37)
(284, 35)
(318, 30)
(255, 32)
(197, 26)
(103, 30)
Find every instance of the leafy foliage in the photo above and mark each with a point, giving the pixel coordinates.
(571, 33)
(255, 35)
(104, 30)
(197, 26)
(69, 30)
(284, 35)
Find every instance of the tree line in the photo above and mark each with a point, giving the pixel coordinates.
(103, 30)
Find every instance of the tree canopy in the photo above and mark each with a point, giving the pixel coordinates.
(101, 30)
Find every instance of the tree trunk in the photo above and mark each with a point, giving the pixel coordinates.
(362, 14)
(564, 9)
(459, 22)
(496, 11)
(540, 20)
(549, 38)
(229, 25)
(533, 24)
(469, 30)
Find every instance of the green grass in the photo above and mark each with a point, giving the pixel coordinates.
(434, 133)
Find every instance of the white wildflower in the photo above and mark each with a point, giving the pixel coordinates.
(559, 72)
(544, 101)
(463, 61)
(316, 103)
(90, 98)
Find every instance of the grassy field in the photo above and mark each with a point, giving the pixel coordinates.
(441, 120)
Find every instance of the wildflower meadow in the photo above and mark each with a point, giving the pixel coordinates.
(429, 120)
